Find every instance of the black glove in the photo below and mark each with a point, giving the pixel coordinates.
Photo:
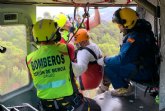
(71, 30)
(2, 49)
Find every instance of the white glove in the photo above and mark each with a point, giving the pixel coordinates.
(101, 61)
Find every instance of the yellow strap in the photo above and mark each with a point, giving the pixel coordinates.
(50, 106)
(64, 104)
(89, 108)
(59, 99)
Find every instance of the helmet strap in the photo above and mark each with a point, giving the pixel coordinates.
(37, 40)
(119, 20)
(78, 45)
(58, 37)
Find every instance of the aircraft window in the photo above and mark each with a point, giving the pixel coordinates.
(13, 71)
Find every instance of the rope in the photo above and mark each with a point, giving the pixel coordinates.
(87, 15)
(128, 1)
(84, 16)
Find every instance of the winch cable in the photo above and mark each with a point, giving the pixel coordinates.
(85, 15)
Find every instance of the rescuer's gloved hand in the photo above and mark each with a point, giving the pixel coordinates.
(72, 29)
(101, 61)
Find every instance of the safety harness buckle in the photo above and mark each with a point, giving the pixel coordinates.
(71, 108)
(77, 100)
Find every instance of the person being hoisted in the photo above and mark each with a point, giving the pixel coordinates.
(86, 61)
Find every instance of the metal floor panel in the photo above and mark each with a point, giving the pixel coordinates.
(129, 103)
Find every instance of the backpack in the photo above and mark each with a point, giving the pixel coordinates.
(155, 50)
(145, 27)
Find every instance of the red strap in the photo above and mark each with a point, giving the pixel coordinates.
(128, 1)
(87, 23)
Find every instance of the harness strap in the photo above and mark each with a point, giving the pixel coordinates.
(69, 103)
(91, 51)
(86, 105)
(81, 83)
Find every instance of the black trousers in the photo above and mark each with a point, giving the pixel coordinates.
(87, 104)
(92, 104)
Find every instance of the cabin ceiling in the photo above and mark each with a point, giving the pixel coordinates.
(69, 2)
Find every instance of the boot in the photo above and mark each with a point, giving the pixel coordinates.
(104, 86)
(122, 91)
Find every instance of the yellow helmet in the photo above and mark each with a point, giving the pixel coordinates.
(45, 30)
(126, 17)
(81, 35)
(61, 19)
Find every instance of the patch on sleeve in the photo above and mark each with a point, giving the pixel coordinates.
(130, 40)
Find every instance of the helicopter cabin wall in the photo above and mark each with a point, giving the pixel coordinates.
(26, 14)
(161, 34)
(162, 69)
(29, 10)
(160, 27)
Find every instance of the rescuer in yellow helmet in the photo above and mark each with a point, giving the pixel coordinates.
(51, 71)
(136, 59)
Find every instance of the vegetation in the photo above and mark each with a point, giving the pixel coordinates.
(13, 71)
(107, 37)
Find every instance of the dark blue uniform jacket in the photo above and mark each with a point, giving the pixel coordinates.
(136, 55)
